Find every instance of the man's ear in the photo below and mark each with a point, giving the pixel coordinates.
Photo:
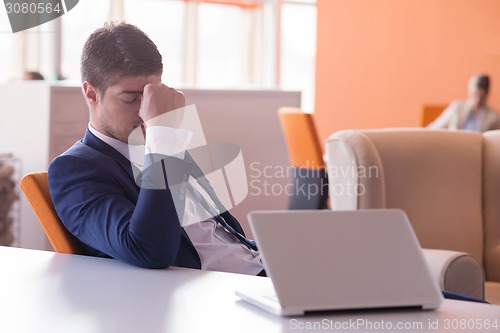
(90, 93)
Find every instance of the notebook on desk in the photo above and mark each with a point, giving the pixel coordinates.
(321, 260)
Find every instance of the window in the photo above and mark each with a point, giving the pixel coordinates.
(222, 59)
(204, 43)
(298, 50)
(77, 25)
(163, 22)
(7, 49)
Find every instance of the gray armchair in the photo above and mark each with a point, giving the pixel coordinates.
(448, 183)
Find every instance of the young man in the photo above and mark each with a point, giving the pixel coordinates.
(472, 114)
(140, 220)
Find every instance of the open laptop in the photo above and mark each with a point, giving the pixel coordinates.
(321, 260)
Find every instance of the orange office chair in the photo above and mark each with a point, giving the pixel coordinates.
(430, 112)
(36, 188)
(306, 158)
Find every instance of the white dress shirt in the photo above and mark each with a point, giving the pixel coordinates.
(218, 249)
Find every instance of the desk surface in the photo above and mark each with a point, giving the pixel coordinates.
(49, 292)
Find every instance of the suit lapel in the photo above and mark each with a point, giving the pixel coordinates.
(463, 115)
(485, 120)
(94, 142)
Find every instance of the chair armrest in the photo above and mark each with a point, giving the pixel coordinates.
(457, 272)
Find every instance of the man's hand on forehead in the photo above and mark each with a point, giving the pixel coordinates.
(158, 102)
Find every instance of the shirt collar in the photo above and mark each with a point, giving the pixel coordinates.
(135, 154)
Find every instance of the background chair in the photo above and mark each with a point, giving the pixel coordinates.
(309, 177)
(446, 181)
(36, 188)
(430, 112)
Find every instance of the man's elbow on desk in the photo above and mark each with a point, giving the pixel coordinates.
(153, 260)
(144, 253)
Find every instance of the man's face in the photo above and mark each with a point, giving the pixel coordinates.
(477, 98)
(116, 112)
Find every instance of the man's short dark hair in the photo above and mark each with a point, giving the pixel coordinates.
(117, 50)
(480, 81)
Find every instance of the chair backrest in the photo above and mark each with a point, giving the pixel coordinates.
(430, 113)
(309, 178)
(36, 189)
(301, 138)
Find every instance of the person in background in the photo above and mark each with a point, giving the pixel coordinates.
(473, 114)
(30, 76)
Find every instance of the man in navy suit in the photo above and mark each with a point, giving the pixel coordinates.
(141, 220)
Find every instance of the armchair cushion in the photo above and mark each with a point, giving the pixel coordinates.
(457, 272)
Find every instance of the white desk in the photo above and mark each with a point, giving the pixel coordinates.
(49, 292)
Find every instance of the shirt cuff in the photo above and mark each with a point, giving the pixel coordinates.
(168, 141)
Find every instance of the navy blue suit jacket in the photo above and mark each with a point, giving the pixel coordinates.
(98, 200)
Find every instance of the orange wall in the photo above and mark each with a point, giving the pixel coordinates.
(378, 61)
